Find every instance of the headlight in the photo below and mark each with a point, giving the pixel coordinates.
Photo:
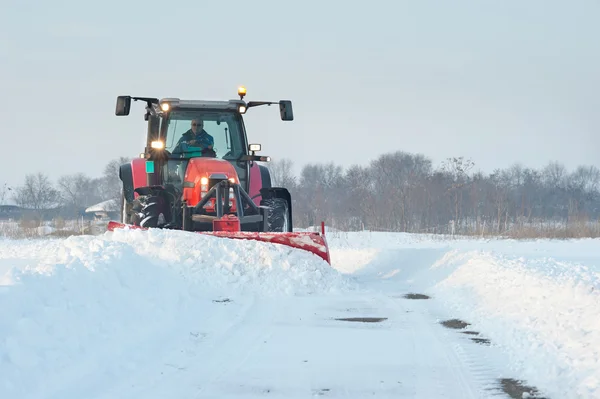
(158, 145)
(203, 185)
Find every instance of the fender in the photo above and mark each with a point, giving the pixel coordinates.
(260, 177)
(255, 183)
(265, 176)
(126, 176)
(138, 171)
(133, 175)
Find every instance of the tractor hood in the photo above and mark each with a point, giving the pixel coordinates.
(200, 174)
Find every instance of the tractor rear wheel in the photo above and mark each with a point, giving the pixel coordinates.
(277, 217)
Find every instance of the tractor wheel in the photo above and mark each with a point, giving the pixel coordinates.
(150, 211)
(278, 216)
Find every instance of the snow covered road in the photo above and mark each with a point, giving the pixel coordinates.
(295, 348)
(171, 315)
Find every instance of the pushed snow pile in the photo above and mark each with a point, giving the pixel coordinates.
(242, 265)
(206, 263)
(71, 305)
(542, 312)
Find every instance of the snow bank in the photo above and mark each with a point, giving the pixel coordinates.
(542, 312)
(242, 265)
(538, 300)
(73, 304)
(208, 263)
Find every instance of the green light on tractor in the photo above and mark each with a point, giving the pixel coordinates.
(149, 166)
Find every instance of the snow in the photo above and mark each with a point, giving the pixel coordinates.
(104, 206)
(173, 314)
(536, 300)
(93, 297)
(543, 312)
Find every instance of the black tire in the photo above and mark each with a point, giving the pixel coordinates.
(277, 216)
(151, 211)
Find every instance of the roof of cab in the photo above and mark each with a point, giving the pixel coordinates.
(202, 104)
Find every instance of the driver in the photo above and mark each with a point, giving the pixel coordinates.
(197, 136)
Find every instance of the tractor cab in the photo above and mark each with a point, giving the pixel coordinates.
(187, 133)
(172, 122)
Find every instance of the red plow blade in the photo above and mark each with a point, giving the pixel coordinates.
(308, 241)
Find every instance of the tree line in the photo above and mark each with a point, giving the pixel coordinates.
(398, 191)
(69, 196)
(403, 192)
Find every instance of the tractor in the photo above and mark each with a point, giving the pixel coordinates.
(198, 173)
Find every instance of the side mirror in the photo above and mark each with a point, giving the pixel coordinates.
(254, 147)
(285, 109)
(123, 105)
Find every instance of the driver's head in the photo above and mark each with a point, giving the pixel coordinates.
(197, 125)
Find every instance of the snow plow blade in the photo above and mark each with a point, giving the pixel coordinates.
(308, 241)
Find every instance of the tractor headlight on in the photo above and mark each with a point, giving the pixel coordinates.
(157, 145)
(242, 109)
(165, 107)
(203, 185)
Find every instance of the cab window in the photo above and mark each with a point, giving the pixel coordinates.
(223, 127)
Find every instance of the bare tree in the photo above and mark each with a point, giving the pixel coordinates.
(555, 203)
(282, 174)
(458, 168)
(37, 194)
(585, 178)
(3, 191)
(111, 184)
(554, 174)
(358, 198)
(78, 191)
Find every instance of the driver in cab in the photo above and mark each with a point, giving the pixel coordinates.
(197, 137)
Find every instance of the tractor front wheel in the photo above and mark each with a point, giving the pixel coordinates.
(277, 215)
(150, 211)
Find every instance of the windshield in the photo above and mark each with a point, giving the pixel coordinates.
(188, 132)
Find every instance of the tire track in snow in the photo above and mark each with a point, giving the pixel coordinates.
(175, 365)
(238, 347)
(469, 377)
(468, 366)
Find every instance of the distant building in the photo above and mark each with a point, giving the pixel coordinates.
(105, 210)
(11, 212)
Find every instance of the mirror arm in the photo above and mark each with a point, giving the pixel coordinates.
(149, 100)
(259, 103)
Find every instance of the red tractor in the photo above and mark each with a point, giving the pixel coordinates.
(199, 173)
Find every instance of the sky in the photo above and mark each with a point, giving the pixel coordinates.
(498, 81)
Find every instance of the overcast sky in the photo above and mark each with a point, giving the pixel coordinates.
(495, 81)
